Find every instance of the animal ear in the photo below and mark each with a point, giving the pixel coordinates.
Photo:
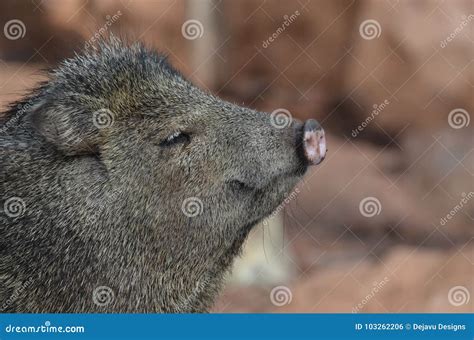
(71, 127)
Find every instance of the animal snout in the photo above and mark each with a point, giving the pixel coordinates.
(314, 142)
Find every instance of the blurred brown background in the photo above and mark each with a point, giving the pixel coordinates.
(386, 222)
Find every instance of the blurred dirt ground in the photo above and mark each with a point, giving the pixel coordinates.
(417, 280)
(417, 72)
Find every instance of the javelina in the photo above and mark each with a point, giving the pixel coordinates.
(127, 189)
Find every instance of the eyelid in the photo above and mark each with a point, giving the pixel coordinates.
(178, 137)
(173, 135)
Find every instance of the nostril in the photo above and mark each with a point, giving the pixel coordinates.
(314, 142)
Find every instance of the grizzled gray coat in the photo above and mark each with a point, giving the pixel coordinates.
(124, 188)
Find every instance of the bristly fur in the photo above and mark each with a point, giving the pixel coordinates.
(89, 203)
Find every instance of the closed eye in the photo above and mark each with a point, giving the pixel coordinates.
(175, 139)
(237, 185)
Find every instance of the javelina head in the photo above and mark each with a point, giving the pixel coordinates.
(195, 171)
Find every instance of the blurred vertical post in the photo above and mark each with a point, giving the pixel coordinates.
(265, 260)
(203, 53)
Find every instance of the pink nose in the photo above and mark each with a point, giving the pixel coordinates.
(314, 142)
